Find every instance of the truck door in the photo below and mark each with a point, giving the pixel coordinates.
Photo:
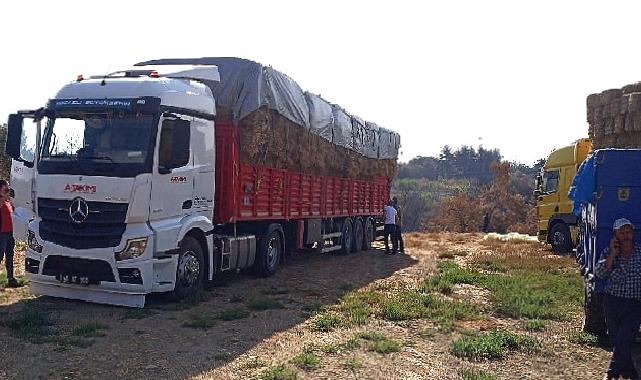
(548, 202)
(23, 178)
(173, 178)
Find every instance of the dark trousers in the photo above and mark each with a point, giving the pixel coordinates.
(6, 250)
(399, 238)
(390, 231)
(622, 316)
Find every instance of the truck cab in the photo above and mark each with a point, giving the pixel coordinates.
(556, 223)
(115, 185)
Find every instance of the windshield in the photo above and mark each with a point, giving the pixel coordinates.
(114, 144)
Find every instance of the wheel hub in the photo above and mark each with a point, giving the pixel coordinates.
(188, 269)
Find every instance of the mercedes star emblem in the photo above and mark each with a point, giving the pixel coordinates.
(78, 210)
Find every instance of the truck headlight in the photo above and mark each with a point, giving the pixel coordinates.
(134, 248)
(32, 241)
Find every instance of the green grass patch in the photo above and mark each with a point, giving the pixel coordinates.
(373, 336)
(475, 374)
(233, 314)
(137, 313)
(534, 286)
(307, 361)
(580, 337)
(279, 372)
(385, 346)
(201, 321)
(89, 330)
(356, 306)
(535, 325)
(313, 308)
(32, 323)
(186, 303)
(260, 304)
(22, 280)
(351, 344)
(326, 322)
(330, 348)
(352, 363)
(222, 356)
(493, 345)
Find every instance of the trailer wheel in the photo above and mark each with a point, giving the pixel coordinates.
(368, 234)
(190, 270)
(269, 253)
(594, 322)
(347, 237)
(358, 235)
(560, 238)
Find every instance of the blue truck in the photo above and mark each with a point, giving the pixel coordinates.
(607, 186)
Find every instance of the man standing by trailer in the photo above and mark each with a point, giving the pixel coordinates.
(390, 227)
(620, 265)
(399, 226)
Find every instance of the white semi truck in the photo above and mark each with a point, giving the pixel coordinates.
(128, 184)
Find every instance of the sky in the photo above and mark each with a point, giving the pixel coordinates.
(512, 75)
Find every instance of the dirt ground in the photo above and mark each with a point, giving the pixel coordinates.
(156, 344)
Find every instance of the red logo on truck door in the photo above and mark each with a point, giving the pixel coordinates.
(80, 188)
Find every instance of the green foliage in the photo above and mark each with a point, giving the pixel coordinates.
(279, 372)
(352, 363)
(307, 361)
(201, 321)
(580, 337)
(475, 374)
(232, 314)
(32, 323)
(493, 345)
(261, 304)
(534, 325)
(326, 322)
(385, 346)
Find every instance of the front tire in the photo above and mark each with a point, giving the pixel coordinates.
(560, 238)
(190, 270)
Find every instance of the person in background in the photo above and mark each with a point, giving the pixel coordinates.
(390, 227)
(6, 233)
(620, 266)
(399, 226)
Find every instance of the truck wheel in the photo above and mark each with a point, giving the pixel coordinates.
(368, 234)
(347, 237)
(560, 238)
(268, 255)
(594, 322)
(190, 270)
(358, 235)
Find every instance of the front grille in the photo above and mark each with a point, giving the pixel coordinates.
(103, 227)
(95, 270)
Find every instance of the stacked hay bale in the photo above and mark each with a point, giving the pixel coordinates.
(614, 117)
(280, 126)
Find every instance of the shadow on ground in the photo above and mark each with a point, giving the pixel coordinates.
(229, 319)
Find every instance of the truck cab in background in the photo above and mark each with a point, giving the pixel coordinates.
(557, 225)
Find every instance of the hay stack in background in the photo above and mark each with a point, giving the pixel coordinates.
(614, 117)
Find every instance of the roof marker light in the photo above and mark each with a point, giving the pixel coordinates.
(80, 78)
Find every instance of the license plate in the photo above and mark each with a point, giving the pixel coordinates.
(72, 279)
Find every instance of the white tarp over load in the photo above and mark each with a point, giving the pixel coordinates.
(245, 86)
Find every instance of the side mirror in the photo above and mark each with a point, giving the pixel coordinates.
(14, 136)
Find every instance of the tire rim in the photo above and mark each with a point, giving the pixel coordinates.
(558, 239)
(272, 252)
(188, 269)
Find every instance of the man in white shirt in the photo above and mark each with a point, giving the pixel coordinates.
(390, 227)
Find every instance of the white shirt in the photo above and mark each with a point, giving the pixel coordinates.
(390, 214)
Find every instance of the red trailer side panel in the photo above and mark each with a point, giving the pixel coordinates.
(245, 192)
